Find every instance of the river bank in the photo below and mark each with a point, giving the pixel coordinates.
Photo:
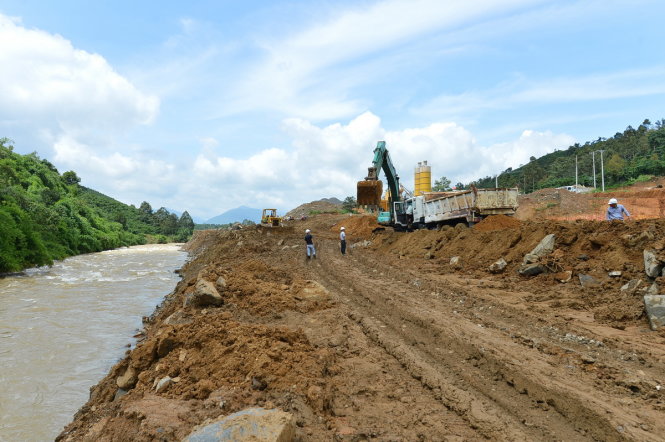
(395, 342)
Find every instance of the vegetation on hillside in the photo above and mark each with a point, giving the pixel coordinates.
(629, 156)
(45, 216)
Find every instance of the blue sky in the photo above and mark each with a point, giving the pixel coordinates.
(208, 105)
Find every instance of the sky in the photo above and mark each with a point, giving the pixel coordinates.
(205, 106)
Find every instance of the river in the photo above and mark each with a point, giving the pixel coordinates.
(63, 327)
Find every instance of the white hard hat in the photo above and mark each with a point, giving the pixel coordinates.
(613, 201)
(307, 231)
(341, 228)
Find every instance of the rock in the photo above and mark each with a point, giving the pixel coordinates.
(280, 242)
(614, 274)
(498, 266)
(259, 384)
(531, 269)
(256, 424)
(127, 380)
(655, 308)
(631, 285)
(429, 255)
(220, 283)
(165, 346)
(163, 383)
(544, 248)
(653, 289)
(178, 318)
(583, 257)
(204, 294)
(588, 281)
(456, 262)
(563, 276)
(530, 258)
(652, 265)
(119, 393)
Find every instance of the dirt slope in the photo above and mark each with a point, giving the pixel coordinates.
(392, 343)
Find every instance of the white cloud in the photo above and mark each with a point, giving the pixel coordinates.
(325, 161)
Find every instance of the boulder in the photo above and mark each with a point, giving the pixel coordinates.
(205, 294)
(127, 380)
(220, 283)
(163, 383)
(250, 424)
(498, 266)
(652, 265)
(631, 285)
(588, 281)
(655, 308)
(531, 269)
(530, 258)
(544, 248)
(456, 262)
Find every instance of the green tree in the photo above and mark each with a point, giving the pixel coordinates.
(441, 185)
(349, 204)
(186, 222)
(70, 177)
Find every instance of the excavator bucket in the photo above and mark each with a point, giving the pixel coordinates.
(369, 192)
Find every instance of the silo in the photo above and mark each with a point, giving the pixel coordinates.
(416, 180)
(423, 178)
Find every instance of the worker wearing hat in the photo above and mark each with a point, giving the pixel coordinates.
(615, 211)
(311, 251)
(342, 240)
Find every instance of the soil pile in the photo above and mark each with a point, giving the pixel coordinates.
(358, 227)
(396, 341)
(327, 205)
(497, 222)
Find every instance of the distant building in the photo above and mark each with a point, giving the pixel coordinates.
(576, 189)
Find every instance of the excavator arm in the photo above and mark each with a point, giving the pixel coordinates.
(370, 190)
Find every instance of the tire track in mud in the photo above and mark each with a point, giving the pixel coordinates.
(495, 399)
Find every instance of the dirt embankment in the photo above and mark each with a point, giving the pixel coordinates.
(392, 342)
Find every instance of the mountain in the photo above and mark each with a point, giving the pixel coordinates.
(196, 219)
(236, 215)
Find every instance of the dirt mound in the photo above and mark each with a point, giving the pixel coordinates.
(358, 227)
(497, 222)
(327, 205)
(452, 351)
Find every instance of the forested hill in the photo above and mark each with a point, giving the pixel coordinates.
(45, 216)
(629, 156)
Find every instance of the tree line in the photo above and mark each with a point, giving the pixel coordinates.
(46, 216)
(636, 154)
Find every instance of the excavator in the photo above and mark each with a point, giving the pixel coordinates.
(370, 190)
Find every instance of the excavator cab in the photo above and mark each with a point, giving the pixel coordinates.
(269, 218)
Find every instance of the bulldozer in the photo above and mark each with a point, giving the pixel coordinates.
(269, 218)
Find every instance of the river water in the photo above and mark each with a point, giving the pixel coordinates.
(63, 327)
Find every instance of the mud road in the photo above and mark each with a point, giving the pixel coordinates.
(391, 342)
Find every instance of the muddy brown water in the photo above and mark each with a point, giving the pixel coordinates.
(63, 327)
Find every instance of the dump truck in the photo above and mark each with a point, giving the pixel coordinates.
(432, 209)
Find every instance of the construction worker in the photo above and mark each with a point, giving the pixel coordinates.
(342, 240)
(311, 251)
(615, 211)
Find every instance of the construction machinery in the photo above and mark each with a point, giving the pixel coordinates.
(407, 211)
(269, 218)
(369, 191)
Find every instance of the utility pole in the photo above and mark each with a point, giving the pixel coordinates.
(593, 159)
(602, 169)
(575, 173)
(496, 181)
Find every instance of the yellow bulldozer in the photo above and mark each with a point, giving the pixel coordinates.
(269, 218)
